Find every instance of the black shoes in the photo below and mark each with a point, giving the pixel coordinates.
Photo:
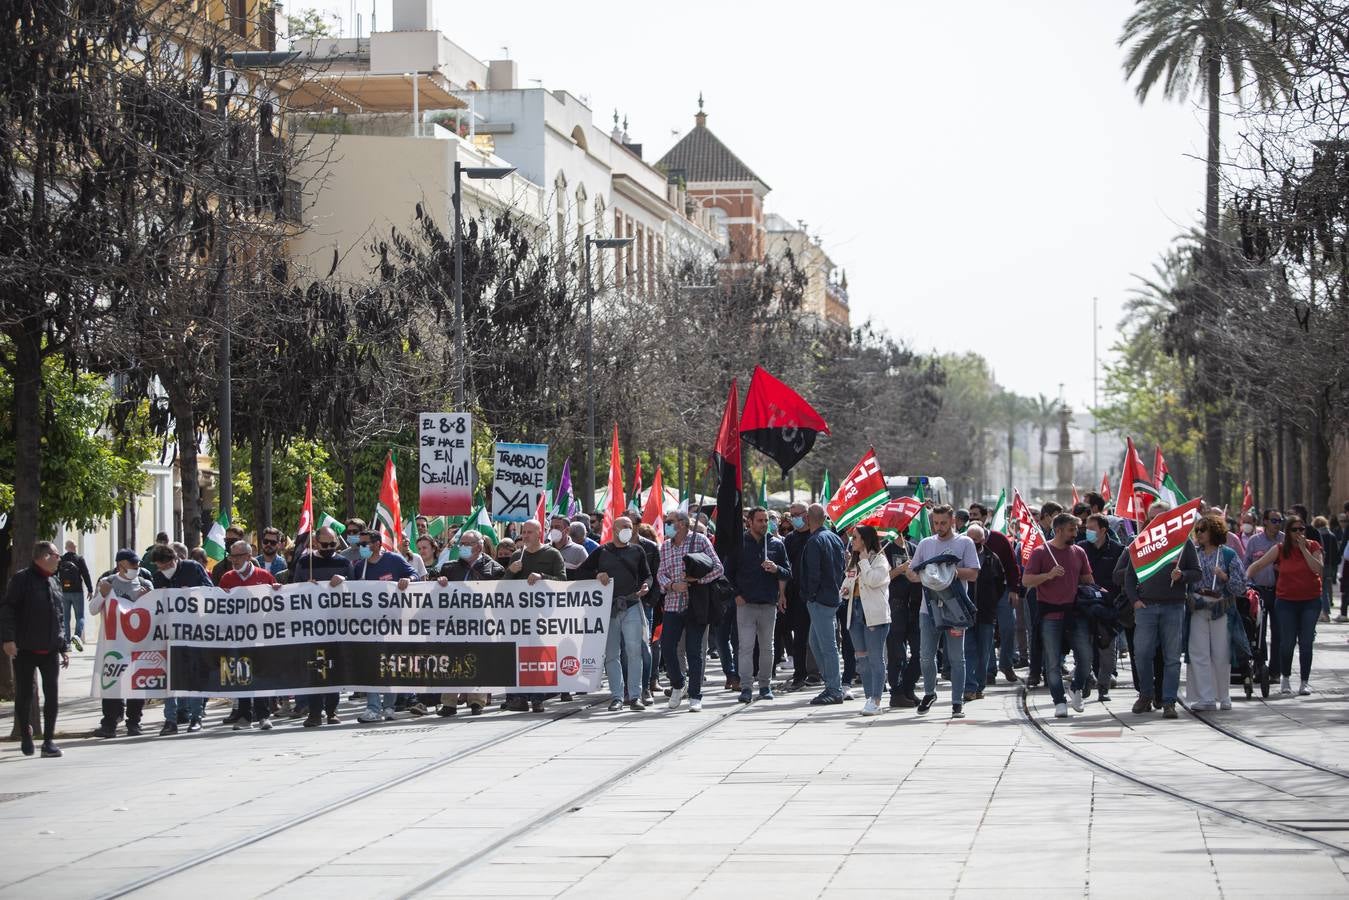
(313, 720)
(103, 731)
(133, 729)
(194, 725)
(1169, 711)
(926, 703)
(50, 750)
(958, 711)
(169, 728)
(26, 741)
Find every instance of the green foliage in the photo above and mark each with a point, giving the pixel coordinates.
(311, 23)
(86, 472)
(290, 465)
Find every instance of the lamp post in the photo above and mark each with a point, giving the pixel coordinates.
(482, 172)
(603, 244)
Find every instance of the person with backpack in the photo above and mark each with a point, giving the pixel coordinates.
(1222, 585)
(943, 564)
(76, 586)
(622, 562)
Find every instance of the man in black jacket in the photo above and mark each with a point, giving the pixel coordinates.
(170, 571)
(1159, 618)
(622, 562)
(31, 631)
(798, 619)
(1103, 552)
(901, 644)
(471, 564)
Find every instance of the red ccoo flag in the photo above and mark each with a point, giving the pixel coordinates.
(1136, 490)
(1027, 529)
(1247, 499)
(895, 515)
(778, 422)
(861, 492)
(614, 504)
(306, 513)
(1105, 486)
(1076, 498)
(388, 515)
(653, 513)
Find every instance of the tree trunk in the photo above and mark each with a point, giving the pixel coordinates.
(1213, 461)
(1044, 442)
(185, 425)
(27, 378)
(1213, 72)
(1296, 445)
(263, 489)
(1319, 450)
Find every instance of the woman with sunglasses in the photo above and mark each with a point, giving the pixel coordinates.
(1222, 585)
(1297, 605)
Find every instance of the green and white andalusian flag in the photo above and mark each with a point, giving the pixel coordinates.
(214, 544)
(1167, 489)
(921, 526)
(1163, 540)
(481, 522)
(998, 520)
(327, 521)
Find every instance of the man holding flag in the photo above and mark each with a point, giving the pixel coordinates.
(1156, 573)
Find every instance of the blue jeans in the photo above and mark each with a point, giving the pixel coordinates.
(869, 648)
(1327, 596)
(196, 708)
(379, 703)
(1159, 624)
(647, 656)
(1297, 624)
(978, 653)
(1006, 633)
(1034, 642)
(72, 610)
(725, 645)
(822, 644)
(623, 645)
(955, 657)
(1079, 641)
(673, 626)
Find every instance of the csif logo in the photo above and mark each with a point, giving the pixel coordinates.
(537, 667)
(114, 665)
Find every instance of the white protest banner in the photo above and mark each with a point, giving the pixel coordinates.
(519, 481)
(133, 659)
(367, 636)
(446, 458)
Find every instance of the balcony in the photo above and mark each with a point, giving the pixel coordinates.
(368, 124)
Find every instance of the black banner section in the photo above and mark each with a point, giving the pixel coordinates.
(316, 667)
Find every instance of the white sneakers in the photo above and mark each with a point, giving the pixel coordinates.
(1305, 690)
(1203, 706)
(871, 708)
(676, 698)
(265, 725)
(1075, 698)
(1284, 686)
(1060, 710)
(695, 704)
(369, 716)
(1225, 705)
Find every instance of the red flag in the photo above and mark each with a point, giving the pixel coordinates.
(1247, 498)
(895, 515)
(1076, 499)
(861, 492)
(541, 513)
(388, 515)
(778, 422)
(1161, 543)
(654, 512)
(1027, 529)
(306, 512)
(1105, 486)
(637, 486)
(726, 457)
(1136, 490)
(614, 505)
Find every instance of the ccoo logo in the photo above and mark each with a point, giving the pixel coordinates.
(537, 667)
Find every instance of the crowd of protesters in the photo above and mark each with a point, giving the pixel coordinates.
(859, 610)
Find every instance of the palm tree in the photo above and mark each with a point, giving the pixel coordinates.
(1183, 46)
(1013, 409)
(1043, 411)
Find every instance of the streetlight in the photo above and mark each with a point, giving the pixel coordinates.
(481, 172)
(603, 244)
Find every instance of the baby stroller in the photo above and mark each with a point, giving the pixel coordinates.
(1250, 647)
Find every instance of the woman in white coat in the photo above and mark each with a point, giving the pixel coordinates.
(1208, 679)
(866, 591)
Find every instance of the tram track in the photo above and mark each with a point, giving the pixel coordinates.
(1038, 726)
(1261, 745)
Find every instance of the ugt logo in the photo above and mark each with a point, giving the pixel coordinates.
(538, 667)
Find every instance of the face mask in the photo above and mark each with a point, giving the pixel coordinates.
(127, 576)
(327, 551)
(625, 536)
(168, 573)
(245, 570)
(554, 536)
(353, 540)
(366, 553)
(669, 530)
(461, 552)
(798, 522)
(1247, 528)
(1091, 535)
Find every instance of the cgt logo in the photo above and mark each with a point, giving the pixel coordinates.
(570, 666)
(148, 672)
(113, 667)
(538, 667)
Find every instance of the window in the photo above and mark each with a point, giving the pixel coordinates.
(719, 222)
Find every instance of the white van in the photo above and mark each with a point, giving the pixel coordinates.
(934, 487)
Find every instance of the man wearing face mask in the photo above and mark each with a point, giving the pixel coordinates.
(759, 569)
(798, 617)
(31, 632)
(352, 536)
(1103, 553)
(126, 584)
(622, 562)
(172, 572)
(470, 563)
(244, 573)
(314, 566)
(675, 622)
(559, 535)
(379, 564)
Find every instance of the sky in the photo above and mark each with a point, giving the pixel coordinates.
(981, 169)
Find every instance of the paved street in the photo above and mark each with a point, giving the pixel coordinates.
(775, 800)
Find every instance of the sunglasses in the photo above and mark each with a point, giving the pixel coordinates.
(365, 544)
(328, 545)
(1201, 530)
(1276, 521)
(1296, 528)
(267, 541)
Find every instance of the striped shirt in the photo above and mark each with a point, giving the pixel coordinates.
(672, 568)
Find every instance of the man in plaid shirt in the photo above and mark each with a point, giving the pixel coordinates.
(680, 540)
